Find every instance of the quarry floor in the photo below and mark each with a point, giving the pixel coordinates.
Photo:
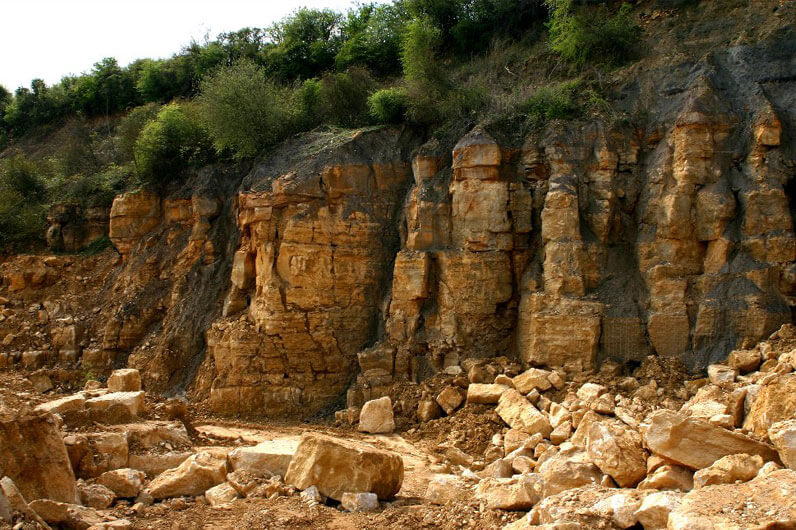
(407, 510)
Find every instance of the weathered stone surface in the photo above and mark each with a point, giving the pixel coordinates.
(33, 455)
(485, 394)
(123, 482)
(669, 477)
(126, 380)
(783, 436)
(567, 469)
(193, 477)
(558, 332)
(360, 502)
(587, 507)
(14, 501)
(653, 514)
(264, 459)
(532, 378)
(616, 449)
(146, 435)
(776, 402)
(728, 470)
(339, 466)
(696, 443)
(224, 493)
(63, 405)
(764, 502)
(519, 413)
(95, 495)
(720, 374)
(94, 454)
(376, 416)
(517, 493)
(744, 360)
(428, 410)
(449, 399)
(445, 489)
(316, 242)
(65, 514)
(132, 216)
(155, 464)
(117, 407)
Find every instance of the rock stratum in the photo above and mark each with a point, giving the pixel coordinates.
(343, 264)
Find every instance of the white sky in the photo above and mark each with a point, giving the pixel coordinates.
(52, 38)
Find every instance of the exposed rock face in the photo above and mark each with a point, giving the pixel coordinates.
(309, 272)
(358, 260)
(72, 228)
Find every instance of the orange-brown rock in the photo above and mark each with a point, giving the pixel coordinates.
(336, 466)
(33, 455)
(696, 443)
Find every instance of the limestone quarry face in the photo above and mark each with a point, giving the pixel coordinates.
(344, 265)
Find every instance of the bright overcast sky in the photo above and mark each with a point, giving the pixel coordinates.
(52, 38)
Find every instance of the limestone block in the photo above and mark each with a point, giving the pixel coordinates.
(339, 466)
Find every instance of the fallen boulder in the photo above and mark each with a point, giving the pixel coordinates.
(63, 405)
(125, 380)
(653, 514)
(567, 469)
(783, 435)
(338, 466)
(669, 477)
(116, 407)
(125, 483)
(729, 470)
(485, 394)
(193, 477)
(264, 459)
(520, 414)
(224, 493)
(776, 402)
(66, 515)
(360, 502)
(520, 492)
(696, 443)
(33, 455)
(376, 416)
(444, 489)
(616, 449)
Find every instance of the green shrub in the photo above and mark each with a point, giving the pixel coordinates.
(582, 34)
(373, 38)
(308, 104)
(22, 198)
(387, 105)
(553, 102)
(168, 144)
(93, 189)
(344, 97)
(243, 111)
(130, 128)
(427, 83)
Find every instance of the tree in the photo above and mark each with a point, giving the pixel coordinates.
(243, 111)
(170, 143)
(373, 38)
(582, 34)
(305, 43)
